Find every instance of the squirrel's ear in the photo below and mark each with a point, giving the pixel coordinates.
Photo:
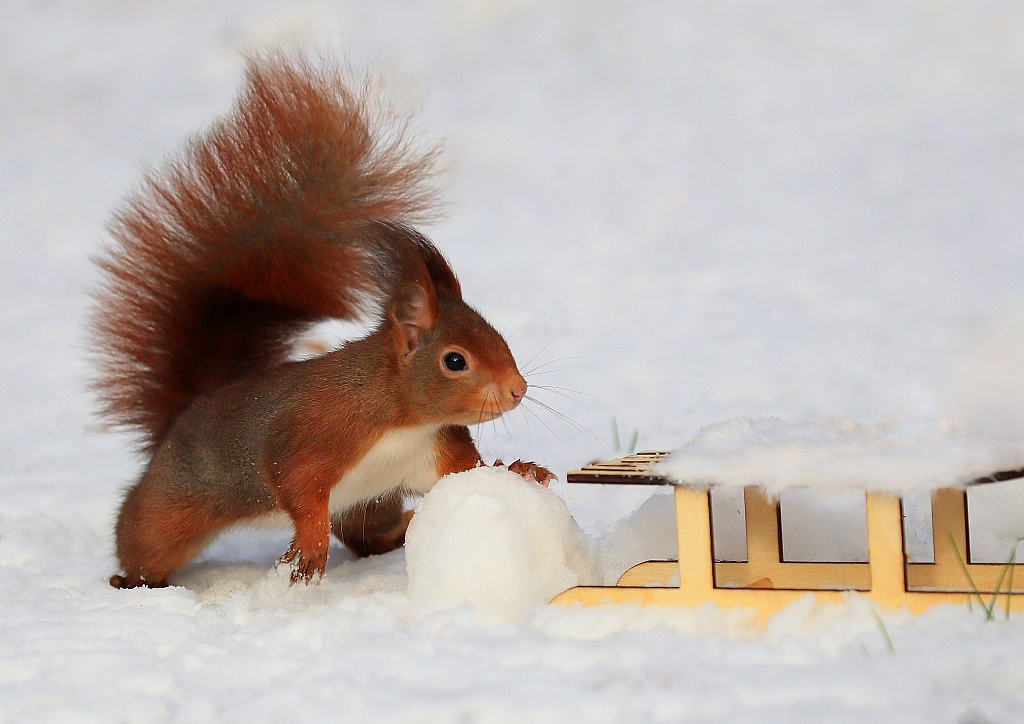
(415, 315)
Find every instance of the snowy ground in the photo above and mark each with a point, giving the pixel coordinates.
(694, 211)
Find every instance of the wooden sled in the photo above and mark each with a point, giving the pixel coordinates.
(767, 583)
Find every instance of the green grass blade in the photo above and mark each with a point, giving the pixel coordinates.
(632, 441)
(967, 574)
(885, 633)
(990, 609)
(1009, 586)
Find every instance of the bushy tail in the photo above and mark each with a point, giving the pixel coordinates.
(257, 229)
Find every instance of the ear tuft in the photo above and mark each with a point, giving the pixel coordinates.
(415, 315)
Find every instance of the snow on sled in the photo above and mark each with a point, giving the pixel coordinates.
(763, 459)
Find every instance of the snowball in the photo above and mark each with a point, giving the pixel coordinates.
(488, 537)
(828, 453)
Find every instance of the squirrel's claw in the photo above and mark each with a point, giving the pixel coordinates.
(531, 471)
(303, 567)
(135, 581)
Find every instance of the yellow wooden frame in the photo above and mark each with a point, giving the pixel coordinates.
(768, 584)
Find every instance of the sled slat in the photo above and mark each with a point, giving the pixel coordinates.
(630, 470)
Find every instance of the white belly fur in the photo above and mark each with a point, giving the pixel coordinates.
(403, 459)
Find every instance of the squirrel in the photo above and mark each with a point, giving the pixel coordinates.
(297, 207)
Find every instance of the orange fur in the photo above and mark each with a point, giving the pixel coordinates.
(294, 208)
(254, 231)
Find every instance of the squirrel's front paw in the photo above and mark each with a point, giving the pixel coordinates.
(531, 471)
(303, 567)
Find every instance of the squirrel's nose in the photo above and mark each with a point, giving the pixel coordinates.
(518, 391)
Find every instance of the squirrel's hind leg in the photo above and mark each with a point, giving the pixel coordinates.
(158, 533)
(374, 527)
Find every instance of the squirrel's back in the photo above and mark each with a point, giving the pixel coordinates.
(265, 224)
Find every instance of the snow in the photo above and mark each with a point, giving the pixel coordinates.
(691, 212)
(834, 454)
(648, 534)
(817, 470)
(490, 538)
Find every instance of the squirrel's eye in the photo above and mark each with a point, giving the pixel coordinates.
(455, 362)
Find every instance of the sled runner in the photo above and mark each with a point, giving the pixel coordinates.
(768, 583)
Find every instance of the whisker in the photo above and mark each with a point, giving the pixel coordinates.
(529, 427)
(564, 418)
(528, 375)
(505, 328)
(515, 334)
(480, 419)
(555, 391)
(504, 423)
(537, 418)
(532, 347)
(539, 352)
(568, 389)
(551, 362)
(512, 319)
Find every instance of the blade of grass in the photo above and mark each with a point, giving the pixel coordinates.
(990, 609)
(615, 435)
(963, 567)
(883, 631)
(1009, 586)
(632, 441)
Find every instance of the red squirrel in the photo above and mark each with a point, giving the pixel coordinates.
(295, 208)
